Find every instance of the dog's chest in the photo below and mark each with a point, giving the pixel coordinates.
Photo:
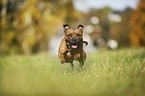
(75, 56)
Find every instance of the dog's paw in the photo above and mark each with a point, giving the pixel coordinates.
(62, 61)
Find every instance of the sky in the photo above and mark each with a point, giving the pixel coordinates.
(85, 5)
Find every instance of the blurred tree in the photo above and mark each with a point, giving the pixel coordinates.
(27, 25)
(8, 30)
(137, 34)
(105, 24)
(65, 10)
(120, 30)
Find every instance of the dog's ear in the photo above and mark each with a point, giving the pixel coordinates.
(80, 27)
(66, 26)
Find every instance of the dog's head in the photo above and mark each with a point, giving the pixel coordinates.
(74, 37)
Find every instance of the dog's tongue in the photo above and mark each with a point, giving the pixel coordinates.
(74, 46)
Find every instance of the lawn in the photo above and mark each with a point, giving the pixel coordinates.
(105, 73)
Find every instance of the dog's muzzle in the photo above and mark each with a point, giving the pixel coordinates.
(74, 43)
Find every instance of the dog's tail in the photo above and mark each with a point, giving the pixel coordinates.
(85, 42)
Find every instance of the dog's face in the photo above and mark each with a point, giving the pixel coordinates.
(73, 36)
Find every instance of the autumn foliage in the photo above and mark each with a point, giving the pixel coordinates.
(137, 34)
(27, 25)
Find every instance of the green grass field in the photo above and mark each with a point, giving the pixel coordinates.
(105, 73)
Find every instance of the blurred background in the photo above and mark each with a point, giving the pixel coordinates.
(32, 26)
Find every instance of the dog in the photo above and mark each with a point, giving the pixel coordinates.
(71, 47)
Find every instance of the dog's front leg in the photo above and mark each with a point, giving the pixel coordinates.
(61, 56)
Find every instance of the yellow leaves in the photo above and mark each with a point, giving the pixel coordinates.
(134, 39)
(137, 23)
(33, 22)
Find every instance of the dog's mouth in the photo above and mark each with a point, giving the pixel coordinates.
(74, 46)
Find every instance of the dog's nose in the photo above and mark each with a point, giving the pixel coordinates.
(75, 39)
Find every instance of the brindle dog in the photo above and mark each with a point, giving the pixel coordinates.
(71, 47)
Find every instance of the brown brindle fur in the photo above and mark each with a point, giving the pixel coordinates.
(71, 47)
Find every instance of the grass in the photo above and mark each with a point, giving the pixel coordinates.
(105, 73)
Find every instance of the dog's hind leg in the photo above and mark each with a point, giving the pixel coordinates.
(82, 60)
(81, 65)
(71, 65)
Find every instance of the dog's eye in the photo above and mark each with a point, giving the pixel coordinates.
(79, 34)
(69, 35)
